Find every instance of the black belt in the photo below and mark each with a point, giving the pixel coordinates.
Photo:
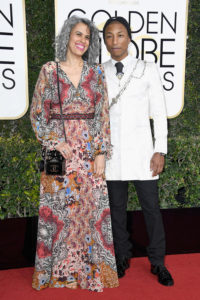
(75, 116)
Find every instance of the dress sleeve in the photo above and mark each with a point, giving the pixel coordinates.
(157, 109)
(102, 139)
(40, 112)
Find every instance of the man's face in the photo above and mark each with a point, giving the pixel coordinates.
(117, 40)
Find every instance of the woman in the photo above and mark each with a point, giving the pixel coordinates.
(75, 245)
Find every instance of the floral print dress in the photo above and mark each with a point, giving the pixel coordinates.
(74, 243)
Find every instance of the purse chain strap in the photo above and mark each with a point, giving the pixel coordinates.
(58, 87)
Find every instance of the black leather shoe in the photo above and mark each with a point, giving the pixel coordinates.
(164, 277)
(122, 265)
(126, 262)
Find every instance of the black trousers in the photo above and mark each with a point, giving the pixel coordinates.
(147, 192)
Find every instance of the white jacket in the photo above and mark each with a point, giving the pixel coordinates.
(131, 135)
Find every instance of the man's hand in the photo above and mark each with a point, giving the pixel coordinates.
(157, 164)
(99, 165)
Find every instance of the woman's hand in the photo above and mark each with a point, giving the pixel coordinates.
(64, 149)
(99, 165)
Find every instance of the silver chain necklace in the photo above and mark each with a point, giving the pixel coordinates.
(116, 98)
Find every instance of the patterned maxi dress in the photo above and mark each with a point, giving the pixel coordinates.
(74, 243)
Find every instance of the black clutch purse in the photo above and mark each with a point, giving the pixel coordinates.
(53, 163)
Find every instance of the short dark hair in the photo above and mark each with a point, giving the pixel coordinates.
(120, 20)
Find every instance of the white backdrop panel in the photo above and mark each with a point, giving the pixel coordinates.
(13, 60)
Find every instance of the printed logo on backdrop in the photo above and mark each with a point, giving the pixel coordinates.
(159, 30)
(13, 60)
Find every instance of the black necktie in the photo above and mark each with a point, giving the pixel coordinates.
(119, 66)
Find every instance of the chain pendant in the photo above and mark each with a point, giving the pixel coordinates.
(120, 75)
(114, 100)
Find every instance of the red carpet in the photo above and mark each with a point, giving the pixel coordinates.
(138, 284)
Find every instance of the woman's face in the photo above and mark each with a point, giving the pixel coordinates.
(79, 39)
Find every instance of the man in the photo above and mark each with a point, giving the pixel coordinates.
(135, 93)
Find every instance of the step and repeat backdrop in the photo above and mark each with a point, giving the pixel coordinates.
(159, 33)
(159, 30)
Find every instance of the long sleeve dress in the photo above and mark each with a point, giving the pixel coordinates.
(74, 243)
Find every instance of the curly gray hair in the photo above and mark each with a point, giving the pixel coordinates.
(62, 39)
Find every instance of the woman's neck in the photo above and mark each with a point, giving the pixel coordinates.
(72, 60)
